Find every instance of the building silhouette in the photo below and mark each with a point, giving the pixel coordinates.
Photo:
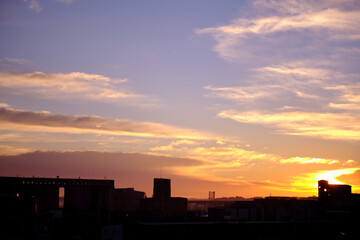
(162, 189)
(334, 194)
(211, 195)
(163, 207)
(56, 209)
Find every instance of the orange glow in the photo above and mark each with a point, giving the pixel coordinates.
(331, 176)
(309, 182)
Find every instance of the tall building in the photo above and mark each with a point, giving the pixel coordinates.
(334, 194)
(162, 189)
(211, 195)
(162, 206)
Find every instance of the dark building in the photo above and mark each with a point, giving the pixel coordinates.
(61, 208)
(78, 194)
(127, 199)
(126, 205)
(334, 194)
(275, 209)
(163, 207)
(162, 189)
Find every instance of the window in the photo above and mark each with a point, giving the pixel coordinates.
(61, 197)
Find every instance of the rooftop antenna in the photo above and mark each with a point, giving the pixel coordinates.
(160, 167)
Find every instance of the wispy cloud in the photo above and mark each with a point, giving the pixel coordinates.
(304, 79)
(326, 22)
(324, 125)
(307, 160)
(7, 62)
(12, 119)
(243, 93)
(329, 19)
(33, 5)
(231, 164)
(71, 85)
(213, 152)
(349, 96)
(66, 1)
(10, 150)
(291, 83)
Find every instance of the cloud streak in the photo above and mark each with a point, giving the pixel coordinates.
(75, 85)
(12, 119)
(323, 125)
(12, 151)
(333, 19)
(329, 22)
(34, 5)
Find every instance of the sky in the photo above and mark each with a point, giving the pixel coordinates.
(244, 98)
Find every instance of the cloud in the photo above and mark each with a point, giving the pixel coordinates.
(349, 97)
(297, 72)
(307, 160)
(13, 119)
(290, 83)
(329, 19)
(66, 1)
(11, 151)
(351, 178)
(229, 164)
(296, 99)
(33, 5)
(323, 125)
(243, 93)
(75, 85)
(7, 62)
(4, 105)
(221, 162)
(223, 154)
(303, 26)
(137, 170)
(212, 152)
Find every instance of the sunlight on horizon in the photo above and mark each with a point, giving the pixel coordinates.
(331, 176)
(309, 182)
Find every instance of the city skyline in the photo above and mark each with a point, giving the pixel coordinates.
(244, 98)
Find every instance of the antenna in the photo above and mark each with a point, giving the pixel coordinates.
(160, 167)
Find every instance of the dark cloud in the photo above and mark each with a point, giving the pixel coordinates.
(127, 169)
(96, 124)
(351, 179)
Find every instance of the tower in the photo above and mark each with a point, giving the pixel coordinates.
(162, 189)
(323, 191)
(211, 195)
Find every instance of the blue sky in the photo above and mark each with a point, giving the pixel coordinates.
(234, 87)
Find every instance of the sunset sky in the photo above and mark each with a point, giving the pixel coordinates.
(244, 98)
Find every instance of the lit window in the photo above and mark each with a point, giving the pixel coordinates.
(61, 197)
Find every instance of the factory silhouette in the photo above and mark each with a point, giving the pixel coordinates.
(61, 208)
